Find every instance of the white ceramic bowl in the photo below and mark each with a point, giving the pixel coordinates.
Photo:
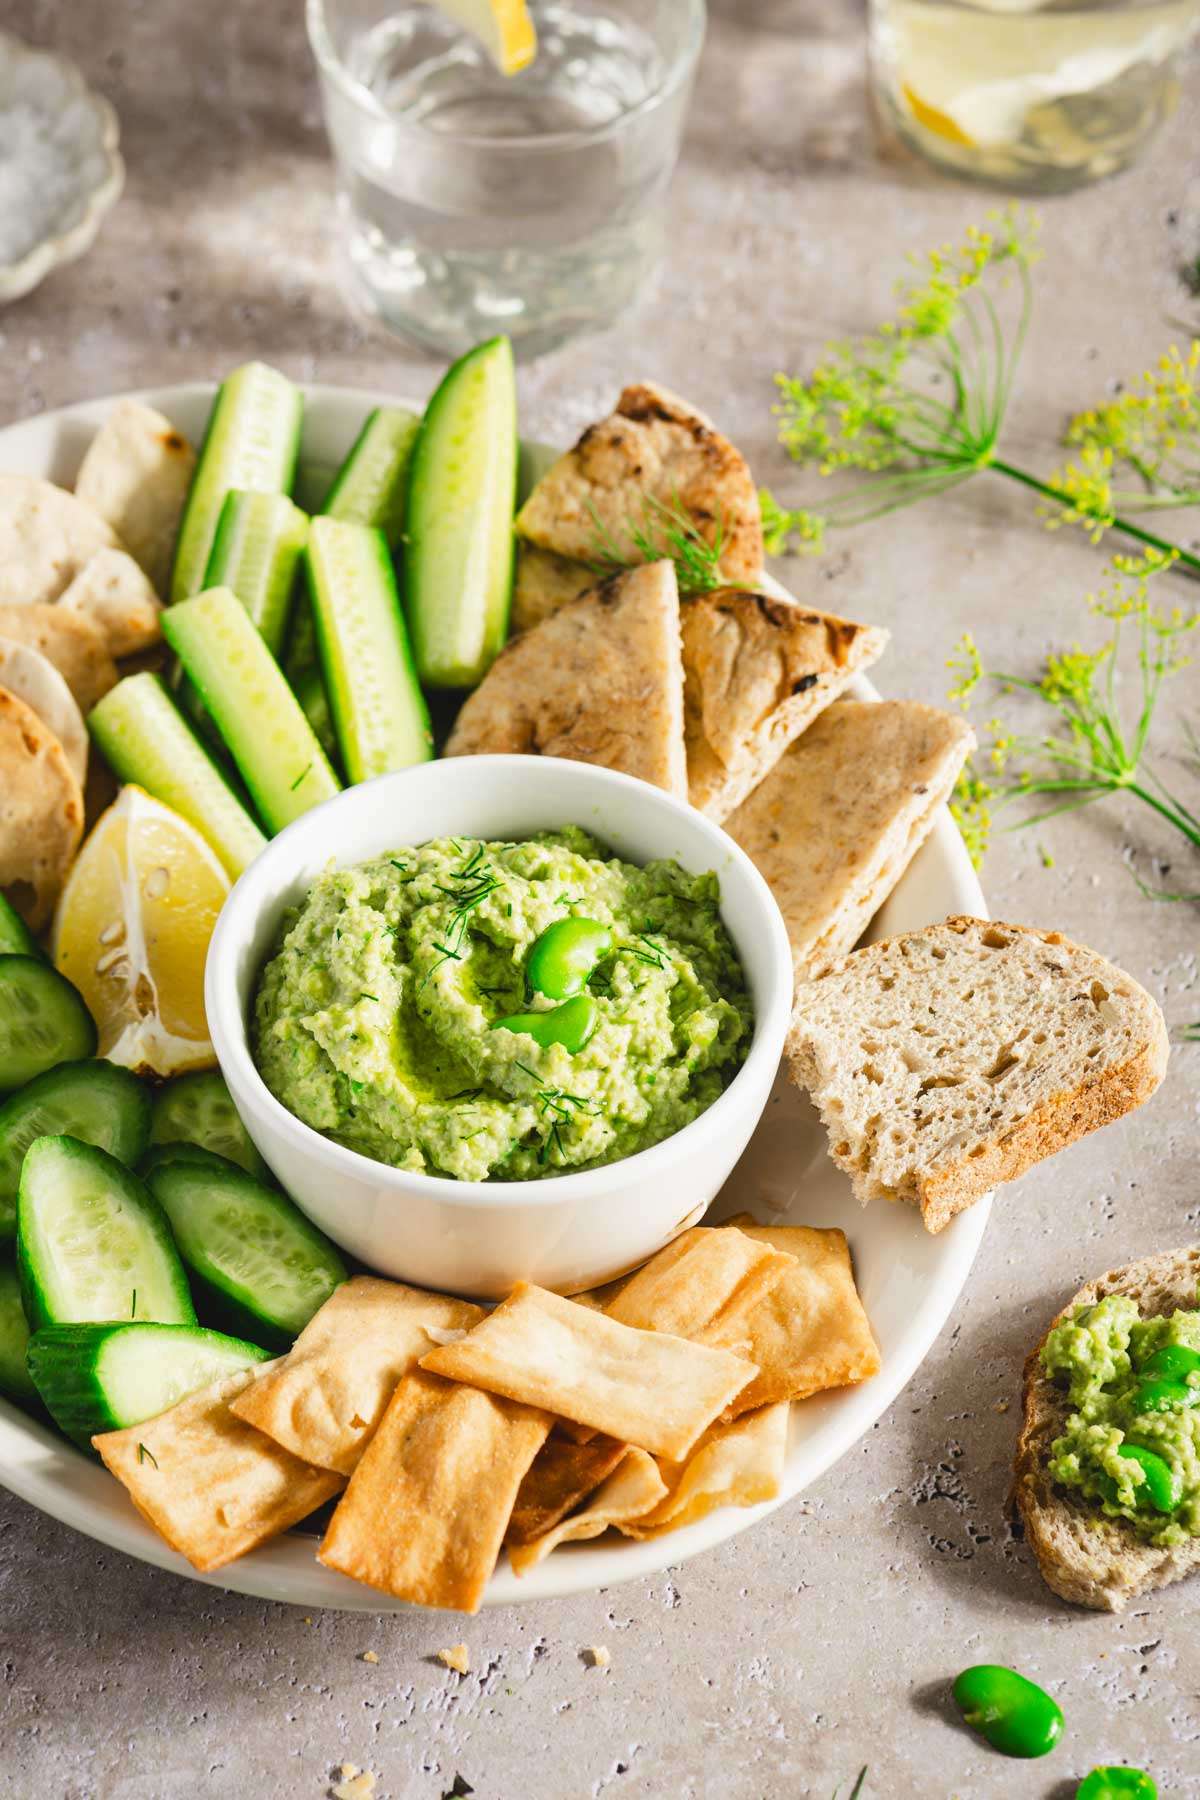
(566, 1231)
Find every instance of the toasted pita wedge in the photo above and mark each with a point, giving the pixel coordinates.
(599, 682)
(72, 642)
(842, 814)
(809, 1332)
(562, 1475)
(654, 447)
(646, 1388)
(46, 537)
(211, 1485)
(424, 1515)
(116, 592)
(136, 475)
(738, 1464)
(757, 671)
(542, 583)
(323, 1400)
(634, 1489)
(41, 812)
(33, 678)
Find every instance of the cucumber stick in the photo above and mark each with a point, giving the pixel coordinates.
(256, 552)
(198, 1109)
(371, 487)
(105, 1377)
(284, 768)
(43, 1021)
(461, 497)
(93, 1101)
(16, 939)
(309, 689)
(252, 441)
(14, 1338)
(379, 712)
(253, 1254)
(143, 735)
(92, 1242)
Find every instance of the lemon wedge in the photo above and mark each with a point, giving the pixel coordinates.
(933, 119)
(132, 933)
(503, 27)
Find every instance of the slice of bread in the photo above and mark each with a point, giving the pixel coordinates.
(946, 1060)
(1083, 1556)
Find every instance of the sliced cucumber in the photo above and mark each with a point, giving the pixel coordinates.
(309, 690)
(145, 737)
(159, 1154)
(242, 686)
(198, 1109)
(43, 1021)
(300, 654)
(252, 440)
(92, 1242)
(379, 711)
(256, 554)
(16, 939)
(461, 496)
(14, 1338)
(104, 1377)
(371, 487)
(93, 1101)
(249, 1248)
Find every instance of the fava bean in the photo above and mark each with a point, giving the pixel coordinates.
(1162, 1487)
(1164, 1395)
(1017, 1717)
(1116, 1784)
(570, 1024)
(565, 954)
(1174, 1362)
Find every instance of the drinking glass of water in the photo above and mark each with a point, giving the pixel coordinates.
(474, 202)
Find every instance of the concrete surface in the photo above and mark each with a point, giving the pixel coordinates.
(824, 1640)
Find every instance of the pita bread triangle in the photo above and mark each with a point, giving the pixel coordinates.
(600, 681)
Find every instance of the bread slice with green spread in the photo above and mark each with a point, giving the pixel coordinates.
(947, 1060)
(1085, 1557)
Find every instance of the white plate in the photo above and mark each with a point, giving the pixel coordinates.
(909, 1281)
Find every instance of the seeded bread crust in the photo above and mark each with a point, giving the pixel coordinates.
(1035, 1049)
(1086, 1558)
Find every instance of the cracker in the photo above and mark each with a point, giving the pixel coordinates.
(738, 1464)
(645, 1387)
(424, 1515)
(563, 1474)
(210, 1484)
(810, 1331)
(41, 812)
(701, 1277)
(633, 1490)
(323, 1399)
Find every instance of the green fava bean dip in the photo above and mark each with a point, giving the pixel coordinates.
(377, 1016)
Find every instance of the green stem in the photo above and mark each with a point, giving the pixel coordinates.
(1126, 525)
(1167, 812)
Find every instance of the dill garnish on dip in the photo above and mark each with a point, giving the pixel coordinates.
(502, 1011)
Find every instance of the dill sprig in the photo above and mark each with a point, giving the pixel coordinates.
(472, 885)
(1091, 749)
(666, 532)
(919, 404)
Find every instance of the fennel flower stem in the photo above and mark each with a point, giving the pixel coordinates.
(1126, 526)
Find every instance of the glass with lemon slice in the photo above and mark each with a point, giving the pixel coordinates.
(502, 164)
(1033, 95)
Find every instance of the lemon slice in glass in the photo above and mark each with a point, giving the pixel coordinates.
(132, 933)
(503, 27)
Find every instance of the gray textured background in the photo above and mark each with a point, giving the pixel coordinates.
(824, 1639)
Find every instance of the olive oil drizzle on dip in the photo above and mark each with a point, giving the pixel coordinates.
(377, 1017)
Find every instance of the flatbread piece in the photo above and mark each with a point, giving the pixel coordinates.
(116, 592)
(46, 537)
(41, 812)
(136, 474)
(33, 678)
(738, 1464)
(543, 582)
(562, 1475)
(73, 643)
(634, 1489)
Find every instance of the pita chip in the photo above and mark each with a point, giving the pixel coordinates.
(425, 1512)
(634, 1489)
(653, 448)
(34, 679)
(136, 475)
(738, 1464)
(757, 671)
(71, 641)
(601, 681)
(646, 1388)
(562, 1475)
(41, 812)
(323, 1400)
(810, 1331)
(842, 814)
(211, 1485)
(115, 591)
(543, 582)
(697, 1280)
(46, 537)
